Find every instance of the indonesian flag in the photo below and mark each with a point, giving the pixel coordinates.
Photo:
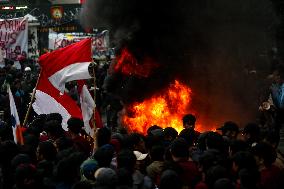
(67, 64)
(88, 106)
(58, 67)
(17, 132)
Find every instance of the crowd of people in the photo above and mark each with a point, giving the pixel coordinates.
(164, 159)
(52, 158)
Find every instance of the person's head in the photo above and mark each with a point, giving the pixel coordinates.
(189, 121)
(215, 141)
(273, 138)
(46, 151)
(63, 143)
(224, 183)
(214, 173)
(170, 134)
(264, 154)
(67, 169)
(54, 129)
(230, 129)
(88, 169)
(103, 136)
(25, 177)
(140, 160)
(243, 160)
(20, 159)
(152, 128)
(179, 149)
(237, 146)
(54, 116)
(126, 159)
(75, 125)
(188, 135)
(169, 180)
(136, 142)
(249, 178)
(124, 178)
(104, 155)
(106, 177)
(157, 153)
(251, 133)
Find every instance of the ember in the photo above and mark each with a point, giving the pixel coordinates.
(165, 109)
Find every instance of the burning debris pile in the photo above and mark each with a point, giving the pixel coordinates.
(164, 109)
(168, 48)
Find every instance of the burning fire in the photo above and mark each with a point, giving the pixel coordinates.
(127, 64)
(165, 110)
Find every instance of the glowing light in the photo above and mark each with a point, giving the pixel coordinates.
(165, 109)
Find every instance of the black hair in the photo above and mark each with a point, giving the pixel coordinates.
(179, 148)
(215, 141)
(237, 146)
(132, 140)
(124, 177)
(188, 135)
(20, 159)
(244, 160)
(104, 155)
(224, 183)
(103, 136)
(126, 159)
(82, 185)
(54, 128)
(25, 176)
(249, 178)
(266, 152)
(152, 128)
(272, 137)
(214, 173)
(67, 168)
(54, 116)
(75, 125)
(157, 153)
(169, 180)
(63, 143)
(170, 132)
(47, 150)
(189, 118)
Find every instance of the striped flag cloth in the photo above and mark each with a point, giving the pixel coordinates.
(17, 132)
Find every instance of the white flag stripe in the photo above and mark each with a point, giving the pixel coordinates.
(14, 113)
(45, 104)
(87, 107)
(77, 71)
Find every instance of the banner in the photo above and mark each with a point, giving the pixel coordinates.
(100, 42)
(14, 38)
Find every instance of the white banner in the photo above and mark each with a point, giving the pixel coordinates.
(14, 38)
(59, 40)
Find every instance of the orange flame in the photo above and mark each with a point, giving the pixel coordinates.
(164, 110)
(127, 64)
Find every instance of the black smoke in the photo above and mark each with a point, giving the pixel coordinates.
(220, 48)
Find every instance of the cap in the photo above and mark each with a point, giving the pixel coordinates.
(27, 69)
(139, 155)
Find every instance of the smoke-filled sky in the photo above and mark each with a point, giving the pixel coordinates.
(209, 44)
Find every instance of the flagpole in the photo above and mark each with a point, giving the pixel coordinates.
(95, 85)
(32, 99)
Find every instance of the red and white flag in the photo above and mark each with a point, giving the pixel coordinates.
(58, 67)
(67, 64)
(88, 106)
(17, 132)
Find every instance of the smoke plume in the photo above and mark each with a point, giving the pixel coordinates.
(213, 46)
